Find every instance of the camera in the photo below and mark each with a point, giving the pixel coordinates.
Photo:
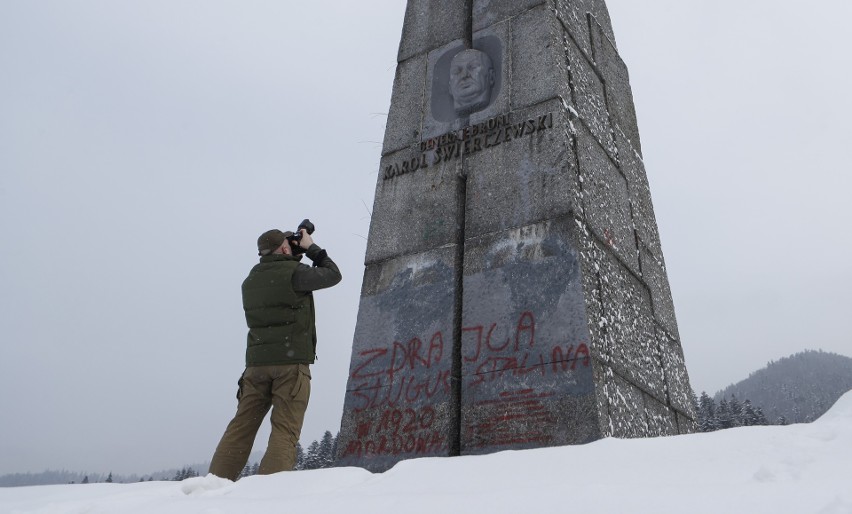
(297, 235)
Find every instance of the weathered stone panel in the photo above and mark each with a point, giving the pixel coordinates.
(539, 67)
(490, 12)
(528, 173)
(577, 15)
(589, 96)
(398, 401)
(625, 407)
(640, 199)
(662, 421)
(674, 367)
(526, 365)
(654, 273)
(416, 207)
(431, 24)
(617, 82)
(606, 199)
(405, 117)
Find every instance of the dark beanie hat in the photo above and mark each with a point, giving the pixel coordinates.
(270, 240)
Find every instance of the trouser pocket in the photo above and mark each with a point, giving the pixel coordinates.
(302, 386)
(240, 383)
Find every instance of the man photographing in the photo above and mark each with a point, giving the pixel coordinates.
(279, 309)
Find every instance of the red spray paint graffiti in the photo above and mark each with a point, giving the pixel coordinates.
(392, 384)
(398, 431)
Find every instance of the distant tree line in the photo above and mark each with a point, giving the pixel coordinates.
(799, 388)
(184, 473)
(320, 454)
(728, 413)
(52, 477)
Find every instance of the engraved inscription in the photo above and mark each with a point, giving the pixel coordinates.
(471, 139)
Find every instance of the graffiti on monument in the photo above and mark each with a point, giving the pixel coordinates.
(403, 381)
(546, 345)
(506, 344)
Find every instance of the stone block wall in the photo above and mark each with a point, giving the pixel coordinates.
(515, 293)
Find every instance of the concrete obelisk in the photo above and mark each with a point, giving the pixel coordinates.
(515, 294)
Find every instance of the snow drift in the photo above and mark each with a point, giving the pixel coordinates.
(796, 469)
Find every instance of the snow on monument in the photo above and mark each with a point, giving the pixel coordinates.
(515, 294)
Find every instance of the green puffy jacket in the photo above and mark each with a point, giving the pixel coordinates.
(279, 307)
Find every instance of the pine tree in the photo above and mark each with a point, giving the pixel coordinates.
(736, 412)
(109, 478)
(85, 480)
(692, 398)
(300, 456)
(749, 415)
(312, 458)
(723, 414)
(707, 421)
(320, 454)
(325, 451)
(184, 473)
(761, 417)
(249, 470)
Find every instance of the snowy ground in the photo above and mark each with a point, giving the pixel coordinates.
(798, 469)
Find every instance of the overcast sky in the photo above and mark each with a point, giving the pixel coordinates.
(145, 145)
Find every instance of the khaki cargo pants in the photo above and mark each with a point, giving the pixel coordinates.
(285, 388)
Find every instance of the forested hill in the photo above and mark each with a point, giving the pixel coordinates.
(799, 388)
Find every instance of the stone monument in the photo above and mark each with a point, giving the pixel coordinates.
(515, 294)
